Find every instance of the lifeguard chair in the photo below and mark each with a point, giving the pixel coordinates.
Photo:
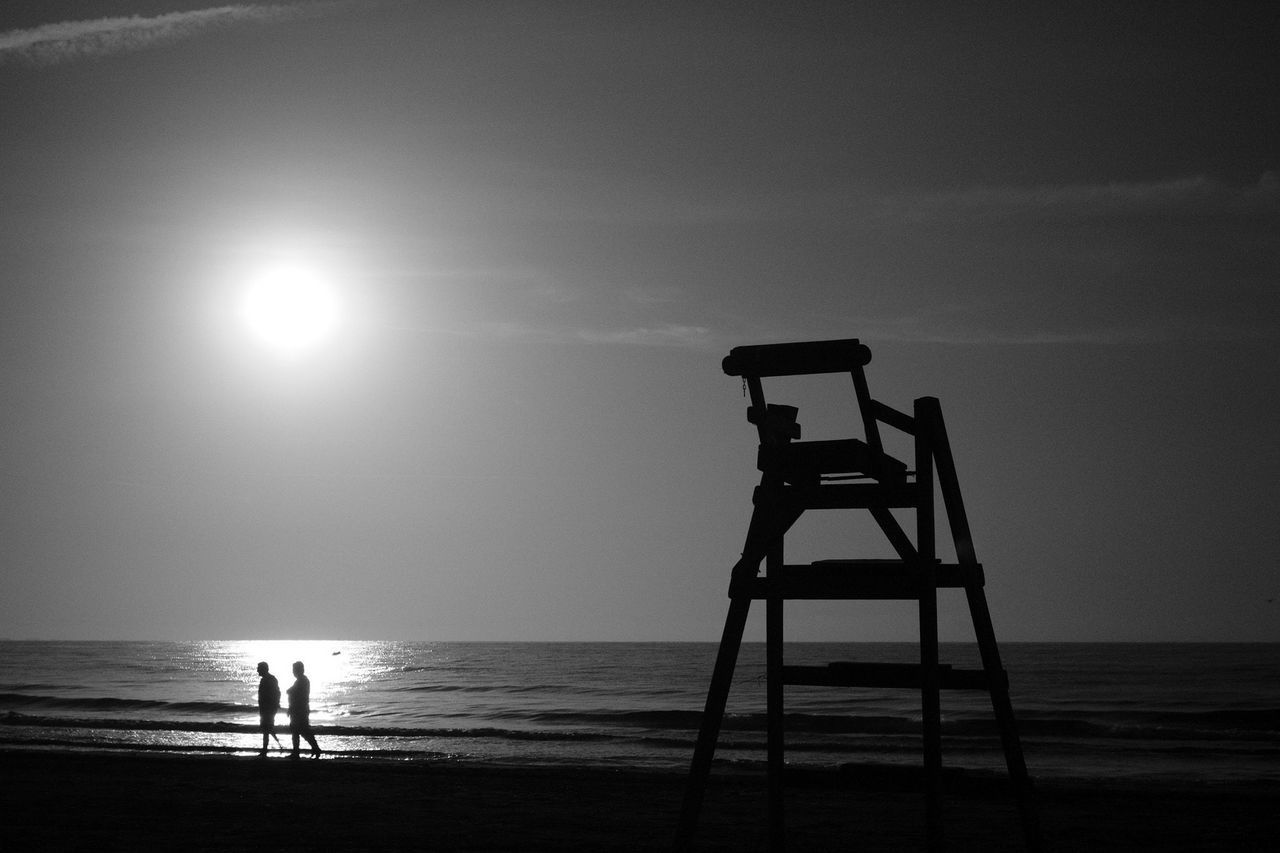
(853, 474)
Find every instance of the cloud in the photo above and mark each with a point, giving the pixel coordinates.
(1109, 263)
(666, 335)
(658, 335)
(988, 320)
(67, 41)
(1181, 198)
(650, 294)
(926, 329)
(1175, 198)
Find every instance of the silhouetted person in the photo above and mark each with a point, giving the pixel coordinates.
(268, 703)
(300, 711)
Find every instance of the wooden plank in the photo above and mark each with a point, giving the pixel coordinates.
(973, 679)
(775, 726)
(948, 575)
(924, 482)
(949, 484)
(930, 699)
(893, 531)
(856, 580)
(848, 674)
(756, 390)
(882, 675)
(872, 496)
(712, 716)
(771, 518)
(892, 417)
(1002, 707)
(870, 425)
(808, 461)
(794, 359)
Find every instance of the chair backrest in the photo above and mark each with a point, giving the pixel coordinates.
(849, 355)
(796, 359)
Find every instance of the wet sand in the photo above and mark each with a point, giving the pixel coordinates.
(143, 801)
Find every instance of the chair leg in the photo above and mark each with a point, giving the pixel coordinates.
(776, 761)
(1002, 708)
(931, 714)
(712, 715)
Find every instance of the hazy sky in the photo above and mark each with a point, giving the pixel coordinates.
(543, 226)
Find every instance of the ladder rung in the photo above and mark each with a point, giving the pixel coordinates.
(857, 580)
(899, 495)
(907, 675)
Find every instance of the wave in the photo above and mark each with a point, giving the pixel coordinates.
(1216, 725)
(72, 744)
(15, 719)
(108, 704)
(505, 689)
(691, 720)
(1261, 724)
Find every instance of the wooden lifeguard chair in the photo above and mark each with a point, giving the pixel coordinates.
(852, 474)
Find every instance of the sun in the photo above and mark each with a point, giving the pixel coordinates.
(290, 309)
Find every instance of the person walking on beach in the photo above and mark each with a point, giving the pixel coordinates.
(300, 711)
(268, 703)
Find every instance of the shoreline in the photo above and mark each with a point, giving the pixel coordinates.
(64, 800)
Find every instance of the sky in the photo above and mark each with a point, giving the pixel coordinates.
(529, 232)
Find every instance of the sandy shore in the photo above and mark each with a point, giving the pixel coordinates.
(109, 801)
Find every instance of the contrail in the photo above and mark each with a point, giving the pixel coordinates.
(49, 44)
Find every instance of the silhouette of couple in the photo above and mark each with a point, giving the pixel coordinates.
(299, 708)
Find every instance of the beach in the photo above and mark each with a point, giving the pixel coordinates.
(67, 800)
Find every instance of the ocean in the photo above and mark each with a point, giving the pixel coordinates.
(1179, 712)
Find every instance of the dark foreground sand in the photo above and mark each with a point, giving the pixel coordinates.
(61, 801)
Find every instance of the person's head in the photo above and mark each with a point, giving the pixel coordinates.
(263, 669)
(298, 668)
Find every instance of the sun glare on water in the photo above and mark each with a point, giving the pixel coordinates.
(336, 669)
(291, 309)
